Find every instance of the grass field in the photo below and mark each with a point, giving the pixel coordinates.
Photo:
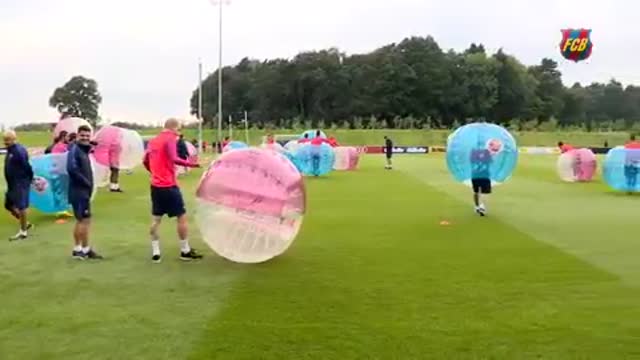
(400, 137)
(551, 273)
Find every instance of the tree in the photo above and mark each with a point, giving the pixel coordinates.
(414, 84)
(79, 97)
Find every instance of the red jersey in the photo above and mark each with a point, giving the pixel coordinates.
(566, 147)
(318, 140)
(162, 157)
(59, 148)
(632, 145)
(333, 142)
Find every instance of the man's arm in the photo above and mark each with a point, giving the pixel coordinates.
(173, 155)
(145, 161)
(73, 168)
(24, 159)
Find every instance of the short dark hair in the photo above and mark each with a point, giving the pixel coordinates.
(318, 133)
(84, 128)
(560, 143)
(632, 137)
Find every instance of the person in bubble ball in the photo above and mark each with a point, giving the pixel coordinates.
(632, 164)
(481, 159)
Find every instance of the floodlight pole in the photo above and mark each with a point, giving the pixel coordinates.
(219, 3)
(230, 128)
(200, 120)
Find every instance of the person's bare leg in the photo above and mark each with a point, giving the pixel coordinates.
(22, 216)
(77, 242)
(155, 238)
(83, 233)
(114, 180)
(476, 199)
(182, 226)
(14, 212)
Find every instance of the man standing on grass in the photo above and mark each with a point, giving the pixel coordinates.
(388, 150)
(481, 159)
(160, 160)
(19, 175)
(80, 190)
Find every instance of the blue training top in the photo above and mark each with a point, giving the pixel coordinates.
(80, 173)
(480, 164)
(17, 170)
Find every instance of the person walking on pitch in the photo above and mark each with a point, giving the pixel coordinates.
(19, 175)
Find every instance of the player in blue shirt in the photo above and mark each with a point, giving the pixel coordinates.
(19, 175)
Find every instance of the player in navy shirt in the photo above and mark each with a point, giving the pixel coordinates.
(19, 175)
(80, 190)
(388, 150)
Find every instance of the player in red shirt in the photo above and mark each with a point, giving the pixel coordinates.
(270, 139)
(564, 147)
(632, 143)
(333, 142)
(160, 160)
(225, 142)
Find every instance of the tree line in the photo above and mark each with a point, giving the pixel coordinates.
(414, 84)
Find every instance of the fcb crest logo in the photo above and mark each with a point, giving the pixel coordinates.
(576, 44)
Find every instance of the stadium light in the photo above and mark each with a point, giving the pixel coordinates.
(219, 3)
(200, 120)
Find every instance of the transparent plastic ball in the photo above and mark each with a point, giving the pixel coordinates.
(481, 150)
(70, 125)
(577, 165)
(118, 148)
(251, 204)
(49, 191)
(315, 160)
(234, 145)
(273, 147)
(347, 158)
(621, 169)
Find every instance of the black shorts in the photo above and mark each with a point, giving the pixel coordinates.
(17, 198)
(482, 186)
(81, 207)
(167, 201)
(388, 153)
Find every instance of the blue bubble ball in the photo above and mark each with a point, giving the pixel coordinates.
(50, 189)
(481, 150)
(235, 145)
(315, 160)
(311, 134)
(291, 156)
(621, 169)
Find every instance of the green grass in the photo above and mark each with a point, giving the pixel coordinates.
(400, 137)
(551, 273)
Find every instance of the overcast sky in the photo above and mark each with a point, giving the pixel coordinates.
(144, 53)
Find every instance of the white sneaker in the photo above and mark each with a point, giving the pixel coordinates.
(21, 235)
